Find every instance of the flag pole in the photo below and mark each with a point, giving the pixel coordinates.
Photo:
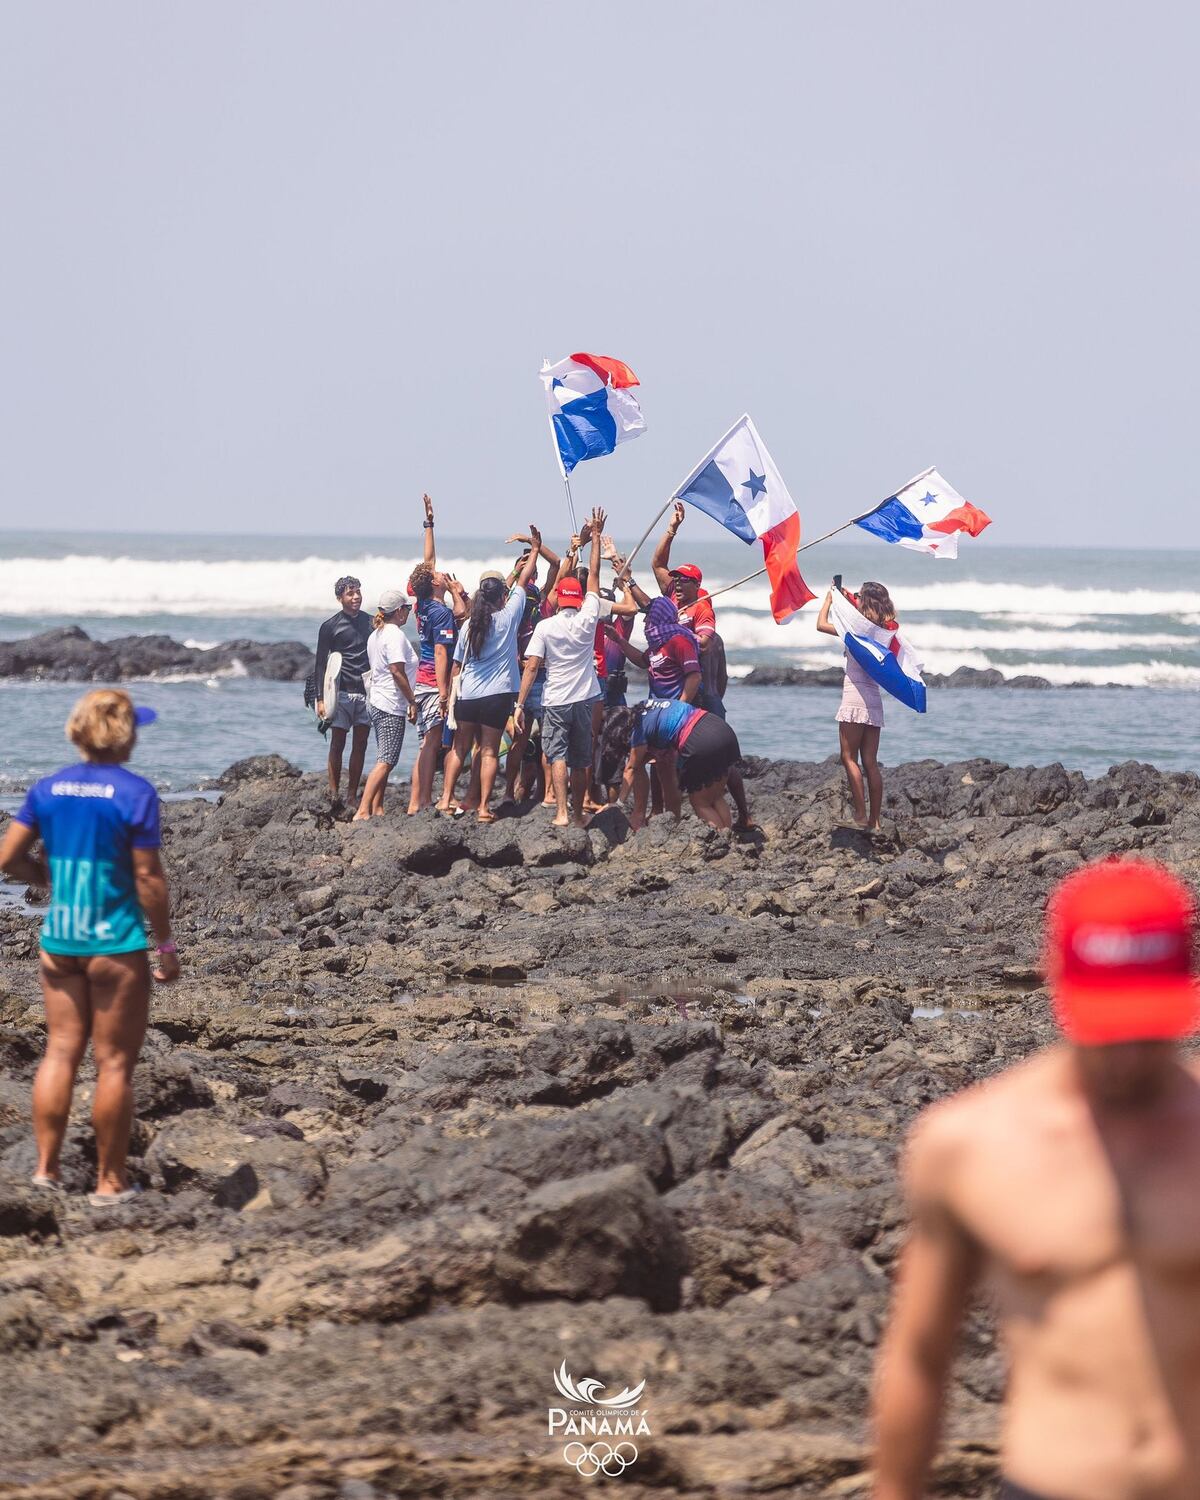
(558, 460)
(749, 578)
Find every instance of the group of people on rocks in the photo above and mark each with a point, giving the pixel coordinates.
(532, 668)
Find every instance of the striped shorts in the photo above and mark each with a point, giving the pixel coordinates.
(389, 734)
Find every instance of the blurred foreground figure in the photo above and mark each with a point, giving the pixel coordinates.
(1068, 1185)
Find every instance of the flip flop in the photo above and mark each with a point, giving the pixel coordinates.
(114, 1200)
(51, 1184)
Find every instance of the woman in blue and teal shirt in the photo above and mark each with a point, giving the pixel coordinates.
(98, 823)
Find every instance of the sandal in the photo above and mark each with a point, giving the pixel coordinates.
(114, 1200)
(51, 1184)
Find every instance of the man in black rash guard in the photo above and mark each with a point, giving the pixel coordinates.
(347, 632)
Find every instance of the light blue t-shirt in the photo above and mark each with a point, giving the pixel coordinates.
(495, 669)
(91, 817)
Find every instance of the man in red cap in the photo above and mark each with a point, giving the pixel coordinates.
(1069, 1185)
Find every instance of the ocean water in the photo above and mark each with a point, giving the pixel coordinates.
(1125, 623)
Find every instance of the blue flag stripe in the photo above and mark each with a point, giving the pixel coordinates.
(893, 521)
(710, 492)
(882, 667)
(585, 428)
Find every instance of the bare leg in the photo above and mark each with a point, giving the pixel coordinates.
(68, 1025)
(548, 798)
(513, 762)
(120, 990)
(580, 776)
(489, 764)
(471, 801)
(595, 794)
(737, 790)
(656, 794)
(851, 737)
(870, 760)
(421, 794)
(710, 804)
(337, 743)
(455, 756)
(637, 780)
(358, 754)
(372, 797)
(558, 776)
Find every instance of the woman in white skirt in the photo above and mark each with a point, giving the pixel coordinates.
(860, 713)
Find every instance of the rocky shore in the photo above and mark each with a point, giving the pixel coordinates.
(70, 655)
(437, 1109)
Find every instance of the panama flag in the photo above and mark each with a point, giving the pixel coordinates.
(882, 654)
(738, 485)
(926, 515)
(592, 406)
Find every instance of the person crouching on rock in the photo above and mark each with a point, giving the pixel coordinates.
(390, 700)
(860, 714)
(485, 664)
(99, 825)
(701, 748)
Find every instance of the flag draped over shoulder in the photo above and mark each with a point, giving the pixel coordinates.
(885, 657)
(738, 485)
(592, 406)
(927, 515)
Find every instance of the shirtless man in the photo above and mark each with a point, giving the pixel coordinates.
(1069, 1184)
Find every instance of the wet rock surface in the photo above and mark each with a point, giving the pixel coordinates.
(437, 1108)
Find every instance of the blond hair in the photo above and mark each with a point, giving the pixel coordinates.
(101, 725)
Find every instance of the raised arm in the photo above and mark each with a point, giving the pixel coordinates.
(823, 622)
(596, 527)
(623, 581)
(531, 561)
(430, 547)
(661, 562)
(551, 557)
(937, 1271)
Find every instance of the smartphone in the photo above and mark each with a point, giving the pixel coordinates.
(837, 580)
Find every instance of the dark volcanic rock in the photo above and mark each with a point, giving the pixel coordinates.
(600, 1235)
(473, 1102)
(67, 654)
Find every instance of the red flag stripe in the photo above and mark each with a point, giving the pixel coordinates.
(612, 371)
(789, 592)
(965, 517)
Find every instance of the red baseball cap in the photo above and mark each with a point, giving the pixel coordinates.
(1119, 954)
(570, 591)
(688, 570)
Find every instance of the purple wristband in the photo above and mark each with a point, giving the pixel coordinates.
(167, 947)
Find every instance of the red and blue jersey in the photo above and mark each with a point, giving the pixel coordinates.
(435, 627)
(670, 666)
(666, 724)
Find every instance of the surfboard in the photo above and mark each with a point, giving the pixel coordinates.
(329, 688)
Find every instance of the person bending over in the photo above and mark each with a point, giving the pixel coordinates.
(697, 747)
(99, 825)
(485, 664)
(860, 713)
(347, 632)
(390, 699)
(1067, 1185)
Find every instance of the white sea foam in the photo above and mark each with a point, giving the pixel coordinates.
(741, 630)
(1038, 603)
(100, 586)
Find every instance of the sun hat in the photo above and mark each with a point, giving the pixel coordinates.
(570, 591)
(688, 570)
(1119, 954)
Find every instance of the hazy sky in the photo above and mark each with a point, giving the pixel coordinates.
(281, 266)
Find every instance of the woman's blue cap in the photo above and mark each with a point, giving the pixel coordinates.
(143, 716)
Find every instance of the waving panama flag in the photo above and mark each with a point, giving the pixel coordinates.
(926, 515)
(881, 653)
(738, 485)
(592, 407)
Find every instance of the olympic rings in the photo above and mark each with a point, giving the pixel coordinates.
(600, 1458)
